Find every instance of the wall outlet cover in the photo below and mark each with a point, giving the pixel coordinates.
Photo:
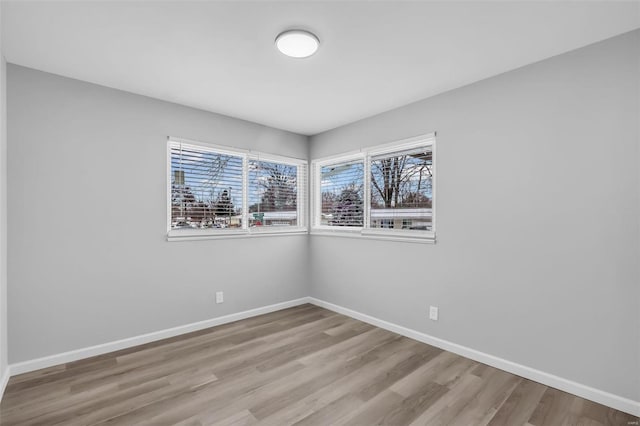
(433, 313)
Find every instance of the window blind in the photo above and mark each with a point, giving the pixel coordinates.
(402, 190)
(273, 193)
(206, 188)
(342, 194)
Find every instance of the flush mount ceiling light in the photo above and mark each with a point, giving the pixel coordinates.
(297, 43)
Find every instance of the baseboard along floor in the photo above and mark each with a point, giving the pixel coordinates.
(299, 365)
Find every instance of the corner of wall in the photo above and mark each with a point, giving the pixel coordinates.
(310, 264)
(309, 278)
(637, 41)
(4, 370)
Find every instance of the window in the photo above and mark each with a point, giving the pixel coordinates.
(386, 191)
(402, 189)
(206, 188)
(216, 191)
(273, 194)
(342, 194)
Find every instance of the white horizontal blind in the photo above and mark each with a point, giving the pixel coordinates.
(342, 194)
(206, 188)
(402, 190)
(273, 194)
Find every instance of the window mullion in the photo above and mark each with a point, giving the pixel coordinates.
(302, 196)
(314, 194)
(367, 192)
(245, 192)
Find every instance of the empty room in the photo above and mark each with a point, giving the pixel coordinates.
(319, 213)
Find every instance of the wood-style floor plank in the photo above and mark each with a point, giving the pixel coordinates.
(518, 408)
(304, 366)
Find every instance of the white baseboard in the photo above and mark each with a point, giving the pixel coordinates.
(49, 361)
(4, 380)
(584, 391)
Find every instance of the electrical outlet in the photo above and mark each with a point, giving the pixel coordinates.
(433, 313)
(219, 297)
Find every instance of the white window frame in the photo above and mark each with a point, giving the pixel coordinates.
(245, 231)
(365, 155)
(301, 195)
(316, 204)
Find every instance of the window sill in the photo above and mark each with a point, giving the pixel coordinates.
(430, 238)
(196, 235)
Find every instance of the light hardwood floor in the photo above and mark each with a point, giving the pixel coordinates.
(304, 366)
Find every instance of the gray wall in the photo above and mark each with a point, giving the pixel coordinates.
(89, 262)
(3, 212)
(538, 219)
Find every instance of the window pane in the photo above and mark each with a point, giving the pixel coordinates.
(273, 194)
(342, 192)
(401, 190)
(206, 188)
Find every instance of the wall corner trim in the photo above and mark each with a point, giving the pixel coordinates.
(605, 398)
(77, 354)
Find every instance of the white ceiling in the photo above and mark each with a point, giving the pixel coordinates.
(374, 56)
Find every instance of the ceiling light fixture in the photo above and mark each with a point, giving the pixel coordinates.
(297, 43)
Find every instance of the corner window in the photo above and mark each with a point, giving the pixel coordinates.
(216, 191)
(387, 191)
